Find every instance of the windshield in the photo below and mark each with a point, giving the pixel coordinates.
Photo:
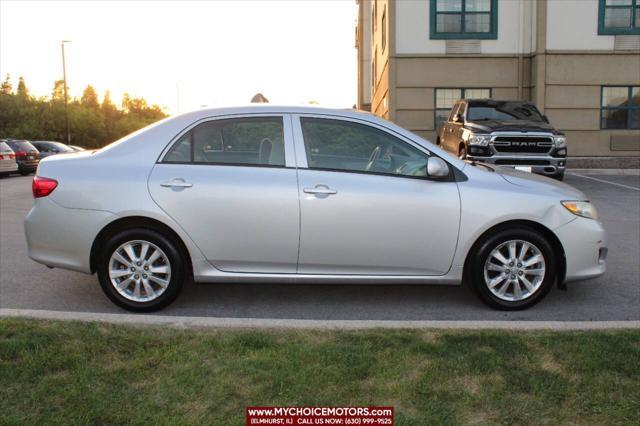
(21, 146)
(503, 111)
(61, 147)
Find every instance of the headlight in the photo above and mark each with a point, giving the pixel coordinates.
(581, 208)
(480, 140)
(560, 141)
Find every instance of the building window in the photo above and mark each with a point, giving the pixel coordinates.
(446, 98)
(374, 70)
(620, 107)
(619, 17)
(374, 14)
(383, 25)
(464, 19)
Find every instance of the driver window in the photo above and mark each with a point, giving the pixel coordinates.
(344, 145)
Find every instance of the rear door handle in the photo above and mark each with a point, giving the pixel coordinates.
(320, 190)
(176, 183)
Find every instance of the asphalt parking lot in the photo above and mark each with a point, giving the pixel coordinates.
(25, 284)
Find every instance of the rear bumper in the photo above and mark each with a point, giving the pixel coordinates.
(540, 164)
(8, 167)
(30, 166)
(62, 237)
(584, 243)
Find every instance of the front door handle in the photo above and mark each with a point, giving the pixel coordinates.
(320, 190)
(176, 183)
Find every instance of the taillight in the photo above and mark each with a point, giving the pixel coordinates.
(20, 154)
(43, 186)
(12, 156)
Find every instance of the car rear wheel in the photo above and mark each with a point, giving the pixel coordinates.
(141, 270)
(513, 269)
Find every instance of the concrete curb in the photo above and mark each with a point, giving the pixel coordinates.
(613, 172)
(258, 323)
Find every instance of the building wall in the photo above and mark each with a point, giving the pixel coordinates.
(515, 20)
(363, 44)
(547, 51)
(581, 16)
(380, 48)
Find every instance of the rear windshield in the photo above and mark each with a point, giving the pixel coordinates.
(22, 146)
(4, 146)
(57, 145)
(503, 111)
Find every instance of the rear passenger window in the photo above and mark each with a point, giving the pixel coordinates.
(239, 141)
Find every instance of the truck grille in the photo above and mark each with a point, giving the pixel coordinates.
(523, 144)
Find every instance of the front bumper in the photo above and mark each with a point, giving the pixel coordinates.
(540, 164)
(585, 249)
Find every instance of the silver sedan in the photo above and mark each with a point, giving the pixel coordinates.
(304, 195)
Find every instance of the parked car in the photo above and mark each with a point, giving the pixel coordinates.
(8, 162)
(27, 156)
(77, 148)
(505, 133)
(48, 148)
(304, 195)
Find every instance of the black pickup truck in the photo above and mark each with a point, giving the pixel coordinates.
(505, 133)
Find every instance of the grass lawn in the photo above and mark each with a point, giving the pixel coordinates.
(65, 372)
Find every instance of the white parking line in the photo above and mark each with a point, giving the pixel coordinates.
(260, 323)
(606, 181)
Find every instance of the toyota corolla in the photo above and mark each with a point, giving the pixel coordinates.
(267, 194)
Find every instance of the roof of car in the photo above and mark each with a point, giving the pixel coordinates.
(496, 101)
(271, 108)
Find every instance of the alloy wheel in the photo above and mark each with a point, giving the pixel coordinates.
(514, 270)
(139, 271)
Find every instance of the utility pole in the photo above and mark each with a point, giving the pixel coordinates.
(66, 98)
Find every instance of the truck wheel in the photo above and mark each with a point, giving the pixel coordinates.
(462, 153)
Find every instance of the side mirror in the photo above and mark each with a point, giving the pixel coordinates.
(545, 118)
(436, 167)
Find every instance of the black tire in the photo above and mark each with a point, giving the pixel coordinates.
(480, 253)
(558, 176)
(25, 173)
(175, 260)
(462, 153)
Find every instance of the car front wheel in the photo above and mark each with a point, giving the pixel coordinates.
(513, 269)
(141, 270)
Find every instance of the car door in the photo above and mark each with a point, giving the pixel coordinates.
(231, 184)
(447, 131)
(366, 204)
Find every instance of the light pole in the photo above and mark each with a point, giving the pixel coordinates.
(66, 99)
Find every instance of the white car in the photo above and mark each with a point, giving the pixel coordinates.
(304, 195)
(8, 162)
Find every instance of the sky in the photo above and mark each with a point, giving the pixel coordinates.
(184, 55)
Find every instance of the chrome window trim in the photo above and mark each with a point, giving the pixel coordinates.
(289, 155)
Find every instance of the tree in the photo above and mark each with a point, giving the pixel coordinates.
(92, 124)
(90, 98)
(6, 87)
(22, 91)
(58, 91)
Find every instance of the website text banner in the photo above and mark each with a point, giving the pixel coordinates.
(319, 416)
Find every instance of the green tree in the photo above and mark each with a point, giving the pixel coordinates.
(22, 91)
(90, 98)
(6, 87)
(58, 91)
